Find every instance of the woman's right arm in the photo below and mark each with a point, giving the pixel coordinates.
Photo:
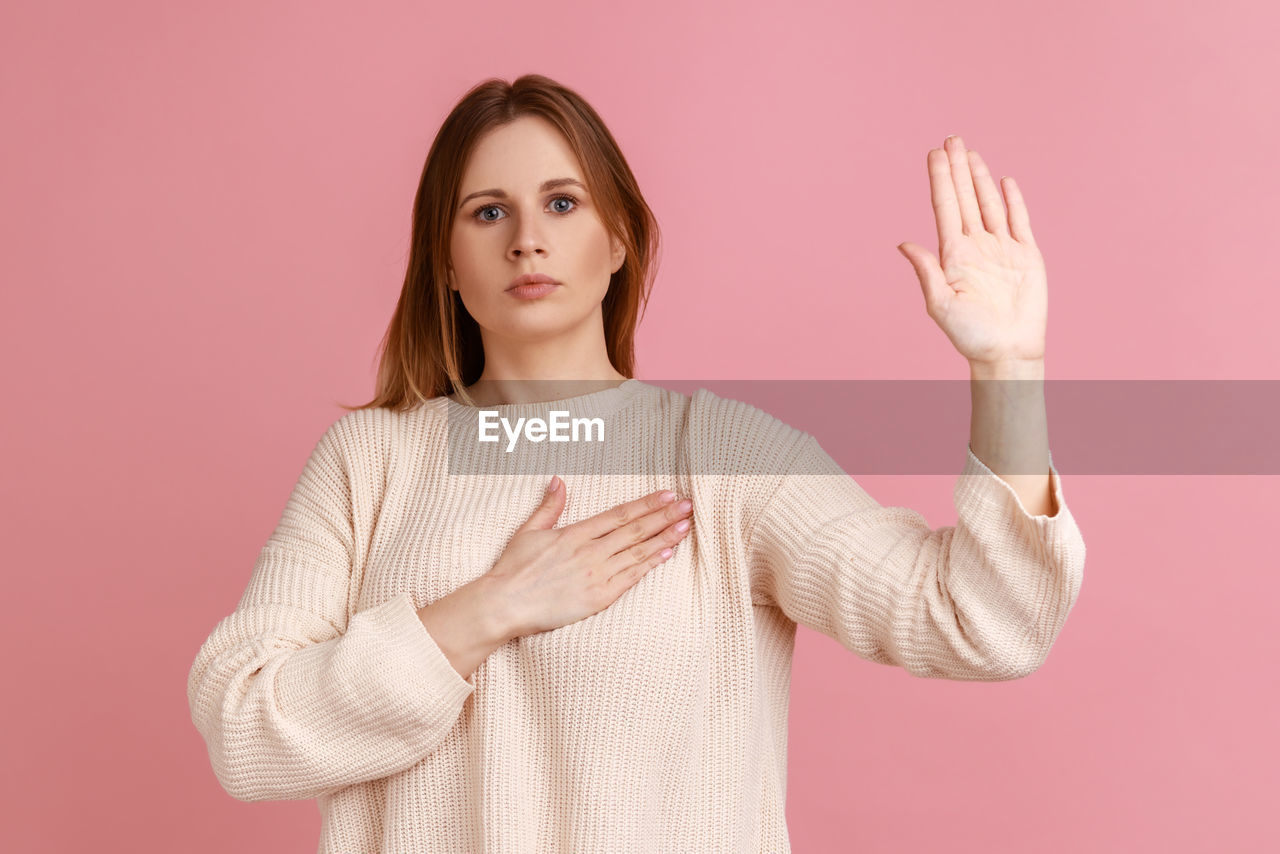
(468, 625)
(293, 699)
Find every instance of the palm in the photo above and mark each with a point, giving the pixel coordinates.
(989, 294)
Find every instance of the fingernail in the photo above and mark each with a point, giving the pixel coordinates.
(667, 497)
(554, 484)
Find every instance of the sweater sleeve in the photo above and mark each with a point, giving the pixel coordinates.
(983, 600)
(293, 699)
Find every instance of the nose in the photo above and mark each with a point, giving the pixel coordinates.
(528, 239)
(527, 248)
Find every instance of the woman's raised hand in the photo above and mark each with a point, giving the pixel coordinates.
(549, 577)
(987, 288)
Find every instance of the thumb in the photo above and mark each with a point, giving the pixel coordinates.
(933, 284)
(549, 510)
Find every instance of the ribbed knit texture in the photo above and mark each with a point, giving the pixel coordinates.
(656, 725)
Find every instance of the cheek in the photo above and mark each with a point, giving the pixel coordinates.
(596, 250)
(457, 250)
(467, 251)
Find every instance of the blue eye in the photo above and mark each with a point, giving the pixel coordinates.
(478, 214)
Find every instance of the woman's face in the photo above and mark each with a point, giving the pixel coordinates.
(508, 224)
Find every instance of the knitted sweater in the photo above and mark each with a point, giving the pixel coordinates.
(656, 725)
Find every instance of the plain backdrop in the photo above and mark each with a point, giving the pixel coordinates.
(205, 218)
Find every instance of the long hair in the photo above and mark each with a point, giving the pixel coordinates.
(432, 346)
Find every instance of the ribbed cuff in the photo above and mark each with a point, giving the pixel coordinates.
(415, 658)
(981, 493)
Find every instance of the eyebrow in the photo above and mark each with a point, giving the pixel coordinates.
(546, 185)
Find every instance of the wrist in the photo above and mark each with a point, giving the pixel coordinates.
(1007, 369)
(498, 622)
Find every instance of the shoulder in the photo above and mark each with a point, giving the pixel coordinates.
(741, 438)
(367, 438)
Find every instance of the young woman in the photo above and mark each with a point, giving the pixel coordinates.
(452, 654)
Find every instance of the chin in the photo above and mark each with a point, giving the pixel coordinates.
(548, 324)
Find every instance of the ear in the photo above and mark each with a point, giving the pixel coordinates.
(619, 253)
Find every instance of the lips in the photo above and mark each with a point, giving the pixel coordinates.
(532, 279)
(534, 291)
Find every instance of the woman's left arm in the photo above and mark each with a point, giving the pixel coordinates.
(984, 599)
(990, 296)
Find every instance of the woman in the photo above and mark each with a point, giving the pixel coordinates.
(452, 655)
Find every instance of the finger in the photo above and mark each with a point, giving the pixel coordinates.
(635, 535)
(993, 215)
(970, 214)
(615, 517)
(933, 282)
(1019, 220)
(549, 510)
(628, 573)
(946, 210)
(641, 552)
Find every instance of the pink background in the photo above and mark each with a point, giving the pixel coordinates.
(205, 223)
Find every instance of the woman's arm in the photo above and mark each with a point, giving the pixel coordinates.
(1009, 429)
(983, 600)
(292, 698)
(468, 625)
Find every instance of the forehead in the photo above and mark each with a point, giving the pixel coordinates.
(518, 156)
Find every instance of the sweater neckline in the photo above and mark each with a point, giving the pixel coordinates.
(593, 403)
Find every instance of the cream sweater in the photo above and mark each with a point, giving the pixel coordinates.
(656, 725)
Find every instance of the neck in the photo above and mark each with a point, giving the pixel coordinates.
(497, 392)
